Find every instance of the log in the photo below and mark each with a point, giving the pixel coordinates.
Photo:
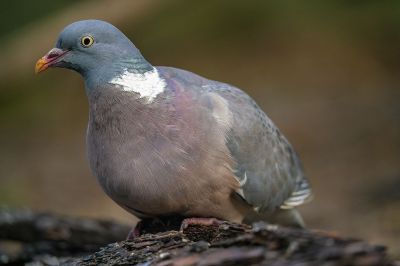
(48, 239)
(25, 235)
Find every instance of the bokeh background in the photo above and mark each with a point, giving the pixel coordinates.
(327, 72)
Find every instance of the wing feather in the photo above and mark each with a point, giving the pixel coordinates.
(268, 169)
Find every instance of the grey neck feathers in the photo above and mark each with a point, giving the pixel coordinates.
(98, 79)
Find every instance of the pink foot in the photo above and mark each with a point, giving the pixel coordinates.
(200, 222)
(135, 232)
(155, 225)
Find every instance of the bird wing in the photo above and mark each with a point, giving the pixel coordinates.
(267, 167)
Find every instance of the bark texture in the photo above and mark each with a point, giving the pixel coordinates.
(47, 239)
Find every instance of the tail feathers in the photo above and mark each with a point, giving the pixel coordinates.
(301, 195)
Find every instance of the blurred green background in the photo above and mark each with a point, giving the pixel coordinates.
(327, 72)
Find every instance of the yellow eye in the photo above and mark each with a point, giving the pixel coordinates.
(87, 41)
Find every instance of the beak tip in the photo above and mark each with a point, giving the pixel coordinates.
(49, 60)
(40, 65)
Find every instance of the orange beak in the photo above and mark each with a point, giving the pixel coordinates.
(52, 57)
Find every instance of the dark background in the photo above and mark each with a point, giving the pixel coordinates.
(326, 72)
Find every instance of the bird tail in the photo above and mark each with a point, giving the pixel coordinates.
(300, 196)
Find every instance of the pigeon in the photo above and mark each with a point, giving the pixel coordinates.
(164, 141)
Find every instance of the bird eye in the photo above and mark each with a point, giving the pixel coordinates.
(87, 41)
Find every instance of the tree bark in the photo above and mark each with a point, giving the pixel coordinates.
(48, 239)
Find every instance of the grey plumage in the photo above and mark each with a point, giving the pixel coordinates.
(166, 141)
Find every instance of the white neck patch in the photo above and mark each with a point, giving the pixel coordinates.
(148, 84)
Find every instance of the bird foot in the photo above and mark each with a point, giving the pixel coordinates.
(155, 225)
(135, 231)
(200, 222)
(197, 229)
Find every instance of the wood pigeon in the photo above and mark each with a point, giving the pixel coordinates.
(164, 141)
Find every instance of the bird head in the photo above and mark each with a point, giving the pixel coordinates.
(90, 46)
